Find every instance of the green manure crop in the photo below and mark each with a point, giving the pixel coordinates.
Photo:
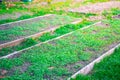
(55, 59)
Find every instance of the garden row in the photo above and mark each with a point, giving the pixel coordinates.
(59, 59)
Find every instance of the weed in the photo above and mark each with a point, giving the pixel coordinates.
(111, 13)
(107, 69)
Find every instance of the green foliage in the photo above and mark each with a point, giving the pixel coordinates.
(85, 56)
(24, 17)
(81, 77)
(47, 36)
(27, 43)
(9, 63)
(107, 69)
(111, 13)
(63, 30)
(95, 1)
(66, 29)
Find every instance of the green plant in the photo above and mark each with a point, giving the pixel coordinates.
(46, 36)
(109, 14)
(107, 69)
(29, 41)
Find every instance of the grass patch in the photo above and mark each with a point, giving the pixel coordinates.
(50, 59)
(27, 43)
(107, 69)
(63, 30)
(109, 14)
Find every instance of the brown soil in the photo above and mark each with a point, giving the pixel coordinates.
(102, 24)
(23, 23)
(93, 18)
(97, 8)
(117, 17)
(22, 69)
(14, 15)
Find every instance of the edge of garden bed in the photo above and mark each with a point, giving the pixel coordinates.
(17, 52)
(85, 70)
(26, 19)
(18, 41)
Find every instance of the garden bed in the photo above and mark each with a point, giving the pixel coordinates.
(87, 69)
(20, 29)
(59, 59)
(107, 69)
(42, 38)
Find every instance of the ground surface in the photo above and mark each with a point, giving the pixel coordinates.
(97, 8)
(57, 59)
(14, 15)
(61, 58)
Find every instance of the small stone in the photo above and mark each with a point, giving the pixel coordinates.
(51, 68)
(3, 72)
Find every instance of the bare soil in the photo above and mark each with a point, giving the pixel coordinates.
(22, 69)
(14, 15)
(93, 18)
(22, 23)
(117, 17)
(97, 7)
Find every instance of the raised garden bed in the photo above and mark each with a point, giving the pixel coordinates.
(39, 38)
(59, 59)
(20, 29)
(107, 69)
(87, 69)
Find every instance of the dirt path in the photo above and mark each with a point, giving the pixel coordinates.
(97, 8)
(14, 15)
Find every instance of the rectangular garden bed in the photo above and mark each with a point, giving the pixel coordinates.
(107, 69)
(59, 59)
(20, 29)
